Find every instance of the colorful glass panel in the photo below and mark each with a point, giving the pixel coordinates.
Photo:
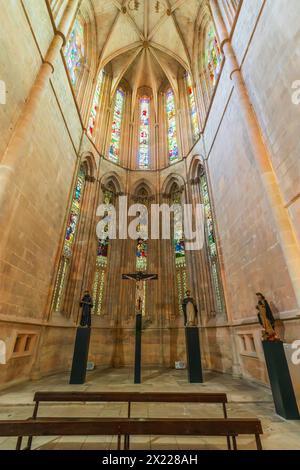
(71, 230)
(179, 245)
(95, 105)
(74, 51)
(212, 246)
(179, 250)
(193, 107)
(172, 128)
(74, 214)
(144, 133)
(101, 261)
(141, 255)
(212, 56)
(114, 149)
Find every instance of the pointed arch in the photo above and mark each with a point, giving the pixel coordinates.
(143, 185)
(112, 179)
(170, 181)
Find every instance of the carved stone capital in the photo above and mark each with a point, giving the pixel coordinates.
(90, 179)
(195, 181)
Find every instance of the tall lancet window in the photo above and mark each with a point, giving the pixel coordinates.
(213, 257)
(141, 255)
(212, 57)
(74, 51)
(114, 148)
(172, 128)
(70, 236)
(144, 134)
(192, 107)
(102, 260)
(95, 105)
(179, 249)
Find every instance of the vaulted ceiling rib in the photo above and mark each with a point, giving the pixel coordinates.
(154, 43)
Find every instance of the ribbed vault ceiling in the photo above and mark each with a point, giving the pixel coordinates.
(144, 46)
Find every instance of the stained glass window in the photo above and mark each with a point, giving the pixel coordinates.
(172, 128)
(142, 261)
(212, 246)
(193, 107)
(179, 250)
(74, 51)
(101, 262)
(114, 149)
(179, 245)
(212, 56)
(141, 255)
(144, 133)
(95, 105)
(72, 227)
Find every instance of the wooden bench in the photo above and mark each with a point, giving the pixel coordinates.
(133, 427)
(129, 398)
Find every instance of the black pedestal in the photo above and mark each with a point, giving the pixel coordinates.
(193, 355)
(80, 357)
(280, 380)
(138, 349)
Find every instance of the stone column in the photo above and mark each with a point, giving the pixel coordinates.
(283, 224)
(17, 147)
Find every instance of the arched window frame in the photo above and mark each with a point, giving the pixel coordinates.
(144, 133)
(142, 196)
(212, 58)
(179, 246)
(75, 51)
(116, 130)
(172, 135)
(102, 258)
(193, 111)
(71, 232)
(211, 243)
(95, 106)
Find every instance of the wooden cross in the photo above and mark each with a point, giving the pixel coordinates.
(139, 278)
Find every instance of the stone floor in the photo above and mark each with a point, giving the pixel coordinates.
(245, 400)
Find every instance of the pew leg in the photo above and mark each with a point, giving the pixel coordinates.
(34, 416)
(126, 442)
(19, 443)
(234, 443)
(29, 443)
(258, 442)
(119, 442)
(127, 438)
(225, 417)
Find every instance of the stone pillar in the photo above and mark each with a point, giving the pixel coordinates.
(283, 224)
(20, 140)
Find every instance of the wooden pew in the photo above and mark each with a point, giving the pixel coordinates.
(129, 398)
(133, 427)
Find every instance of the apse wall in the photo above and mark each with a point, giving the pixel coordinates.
(252, 256)
(270, 90)
(43, 182)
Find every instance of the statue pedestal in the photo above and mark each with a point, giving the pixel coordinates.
(138, 349)
(280, 380)
(80, 357)
(193, 354)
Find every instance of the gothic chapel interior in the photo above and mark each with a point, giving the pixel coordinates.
(172, 102)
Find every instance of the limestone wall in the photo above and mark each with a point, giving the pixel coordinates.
(43, 183)
(266, 41)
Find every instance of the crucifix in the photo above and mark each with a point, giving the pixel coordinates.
(140, 278)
